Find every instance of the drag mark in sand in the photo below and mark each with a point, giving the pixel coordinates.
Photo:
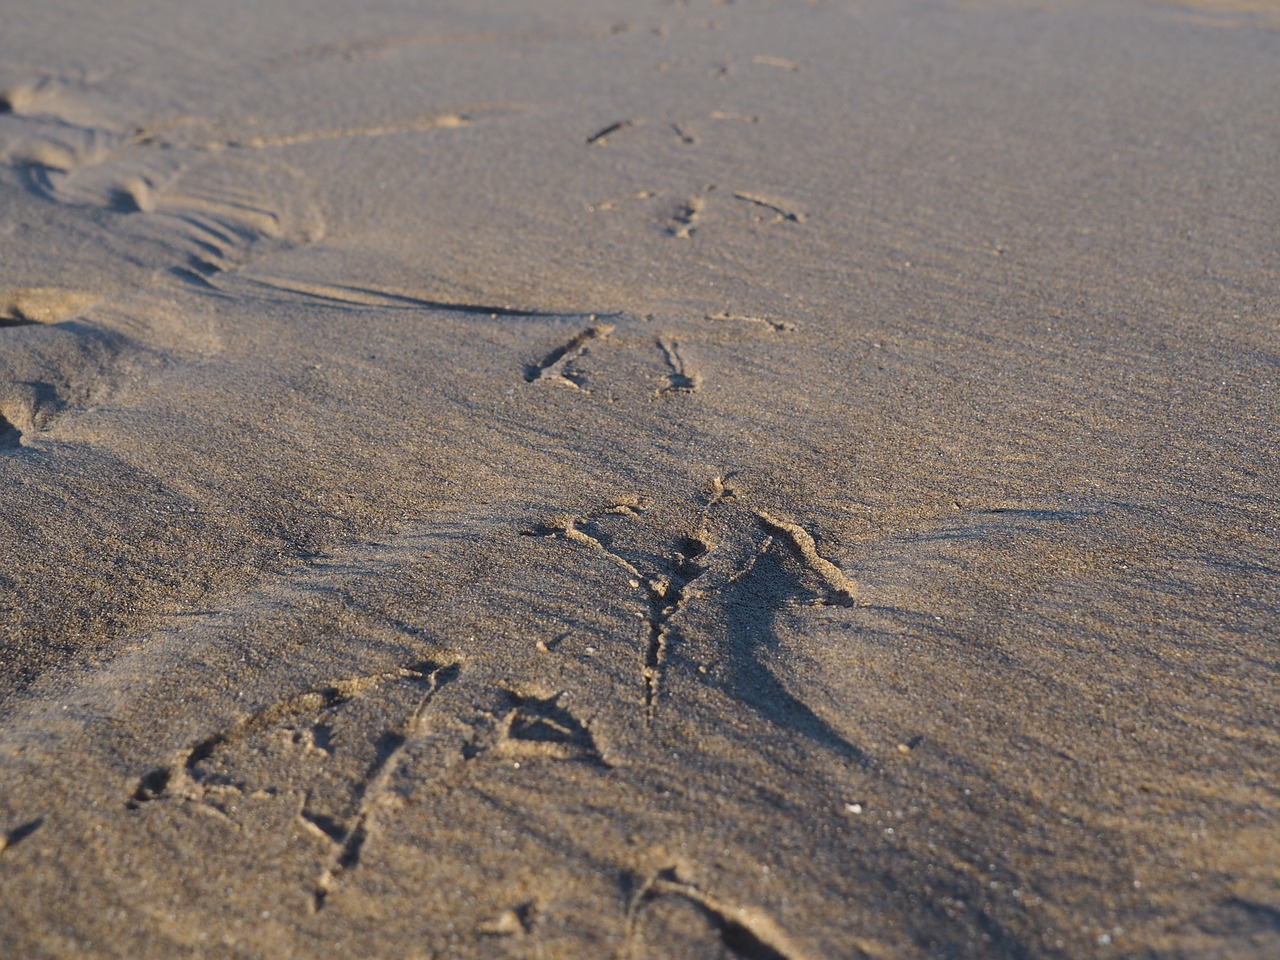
(745, 932)
(734, 117)
(38, 387)
(567, 528)
(530, 723)
(557, 367)
(157, 134)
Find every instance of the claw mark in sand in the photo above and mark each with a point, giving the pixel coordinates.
(745, 932)
(804, 545)
(781, 326)
(783, 213)
(349, 841)
(567, 528)
(679, 380)
(602, 136)
(557, 365)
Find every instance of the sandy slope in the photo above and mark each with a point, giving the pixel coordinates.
(561, 479)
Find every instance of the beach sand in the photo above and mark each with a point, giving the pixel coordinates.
(580, 478)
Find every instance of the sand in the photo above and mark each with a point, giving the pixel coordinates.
(579, 478)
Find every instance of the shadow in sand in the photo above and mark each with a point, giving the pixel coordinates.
(20, 833)
(752, 604)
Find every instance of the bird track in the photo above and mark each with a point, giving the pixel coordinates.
(717, 556)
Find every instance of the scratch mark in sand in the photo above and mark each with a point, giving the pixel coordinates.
(686, 136)
(783, 212)
(602, 136)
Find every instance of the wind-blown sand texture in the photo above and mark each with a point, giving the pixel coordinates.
(583, 478)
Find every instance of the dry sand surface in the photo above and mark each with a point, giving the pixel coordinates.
(584, 478)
